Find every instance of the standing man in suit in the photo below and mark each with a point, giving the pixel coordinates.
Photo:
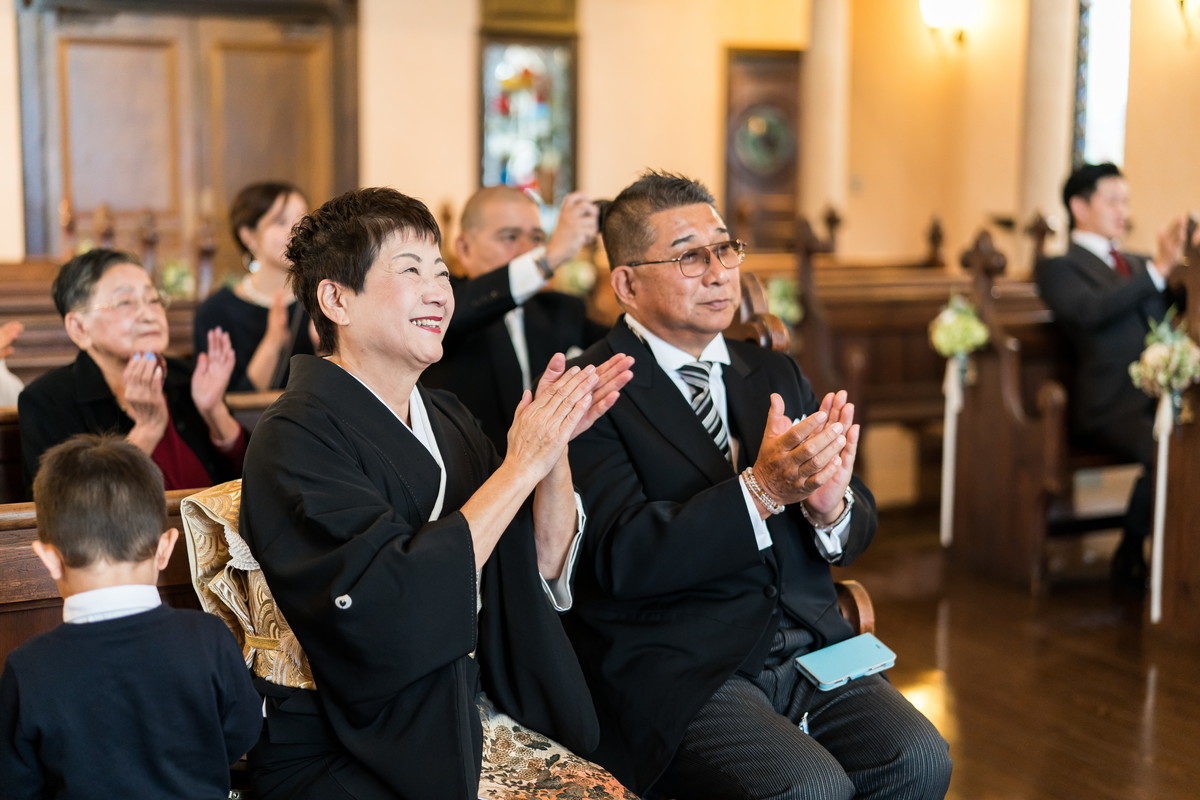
(504, 325)
(719, 490)
(1103, 300)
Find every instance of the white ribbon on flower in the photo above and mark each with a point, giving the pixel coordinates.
(1164, 423)
(952, 388)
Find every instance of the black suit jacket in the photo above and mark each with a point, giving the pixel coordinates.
(672, 594)
(1105, 318)
(479, 363)
(75, 399)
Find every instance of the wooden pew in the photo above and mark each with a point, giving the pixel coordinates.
(246, 407)
(1014, 475)
(29, 600)
(12, 481)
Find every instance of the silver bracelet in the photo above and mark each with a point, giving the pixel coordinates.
(847, 497)
(759, 493)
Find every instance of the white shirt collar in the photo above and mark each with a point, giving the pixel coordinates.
(670, 357)
(110, 602)
(1095, 244)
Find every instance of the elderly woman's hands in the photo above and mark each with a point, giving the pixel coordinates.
(611, 377)
(210, 380)
(545, 422)
(143, 400)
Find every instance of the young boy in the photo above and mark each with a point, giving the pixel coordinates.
(129, 698)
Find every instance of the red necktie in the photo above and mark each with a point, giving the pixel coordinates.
(1120, 264)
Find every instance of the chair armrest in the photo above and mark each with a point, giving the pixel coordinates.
(856, 606)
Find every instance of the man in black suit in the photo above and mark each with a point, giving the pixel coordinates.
(719, 489)
(1103, 300)
(505, 327)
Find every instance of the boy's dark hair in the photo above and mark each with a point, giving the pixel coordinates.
(340, 240)
(252, 203)
(99, 498)
(627, 233)
(75, 280)
(1082, 183)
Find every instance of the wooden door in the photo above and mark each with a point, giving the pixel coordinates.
(117, 106)
(266, 113)
(174, 114)
(761, 146)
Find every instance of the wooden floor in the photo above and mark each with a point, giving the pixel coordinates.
(1073, 696)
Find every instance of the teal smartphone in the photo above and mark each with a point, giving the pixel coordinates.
(840, 663)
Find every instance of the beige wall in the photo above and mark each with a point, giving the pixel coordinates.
(1162, 151)
(417, 102)
(651, 88)
(12, 209)
(934, 126)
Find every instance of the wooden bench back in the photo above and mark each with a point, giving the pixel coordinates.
(12, 481)
(29, 600)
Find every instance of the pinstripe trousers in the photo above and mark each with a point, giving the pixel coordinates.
(865, 740)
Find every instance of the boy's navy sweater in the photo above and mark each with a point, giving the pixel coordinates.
(155, 704)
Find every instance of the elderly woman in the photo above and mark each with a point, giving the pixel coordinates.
(121, 383)
(264, 321)
(414, 566)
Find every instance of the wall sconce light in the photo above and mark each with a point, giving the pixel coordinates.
(952, 16)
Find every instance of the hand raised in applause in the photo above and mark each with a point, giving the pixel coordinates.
(795, 461)
(210, 379)
(578, 221)
(543, 424)
(1168, 251)
(611, 377)
(143, 400)
(9, 332)
(825, 504)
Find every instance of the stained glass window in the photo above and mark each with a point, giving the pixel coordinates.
(529, 116)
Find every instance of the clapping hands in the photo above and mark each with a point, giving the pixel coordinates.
(9, 332)
(210, 379)
(812, 460)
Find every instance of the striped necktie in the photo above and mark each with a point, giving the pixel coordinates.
(697, 375)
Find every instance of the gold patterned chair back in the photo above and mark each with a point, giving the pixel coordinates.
(230, 584)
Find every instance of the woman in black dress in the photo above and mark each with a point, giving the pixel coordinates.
(265, 322)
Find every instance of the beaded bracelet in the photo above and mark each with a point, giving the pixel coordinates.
(759, 493)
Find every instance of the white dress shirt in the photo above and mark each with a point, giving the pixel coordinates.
(110, 602)
(830, 541)
(559, 589)
(1102, 248)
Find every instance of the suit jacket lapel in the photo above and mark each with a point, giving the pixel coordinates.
(661, 402)
(504, 365)
(747, 392)
(1094, 264)
(540, 340)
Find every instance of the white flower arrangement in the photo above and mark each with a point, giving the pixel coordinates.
(1171, 361)
(957, 330)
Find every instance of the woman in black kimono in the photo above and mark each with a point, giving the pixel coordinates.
(414, 566)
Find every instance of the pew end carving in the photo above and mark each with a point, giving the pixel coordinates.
(1016, 462)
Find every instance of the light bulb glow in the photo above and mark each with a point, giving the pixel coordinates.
(954, 15)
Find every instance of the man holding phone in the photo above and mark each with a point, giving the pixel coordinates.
(504, 321)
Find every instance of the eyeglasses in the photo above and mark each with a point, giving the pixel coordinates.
(695, 262)
(129, 306)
